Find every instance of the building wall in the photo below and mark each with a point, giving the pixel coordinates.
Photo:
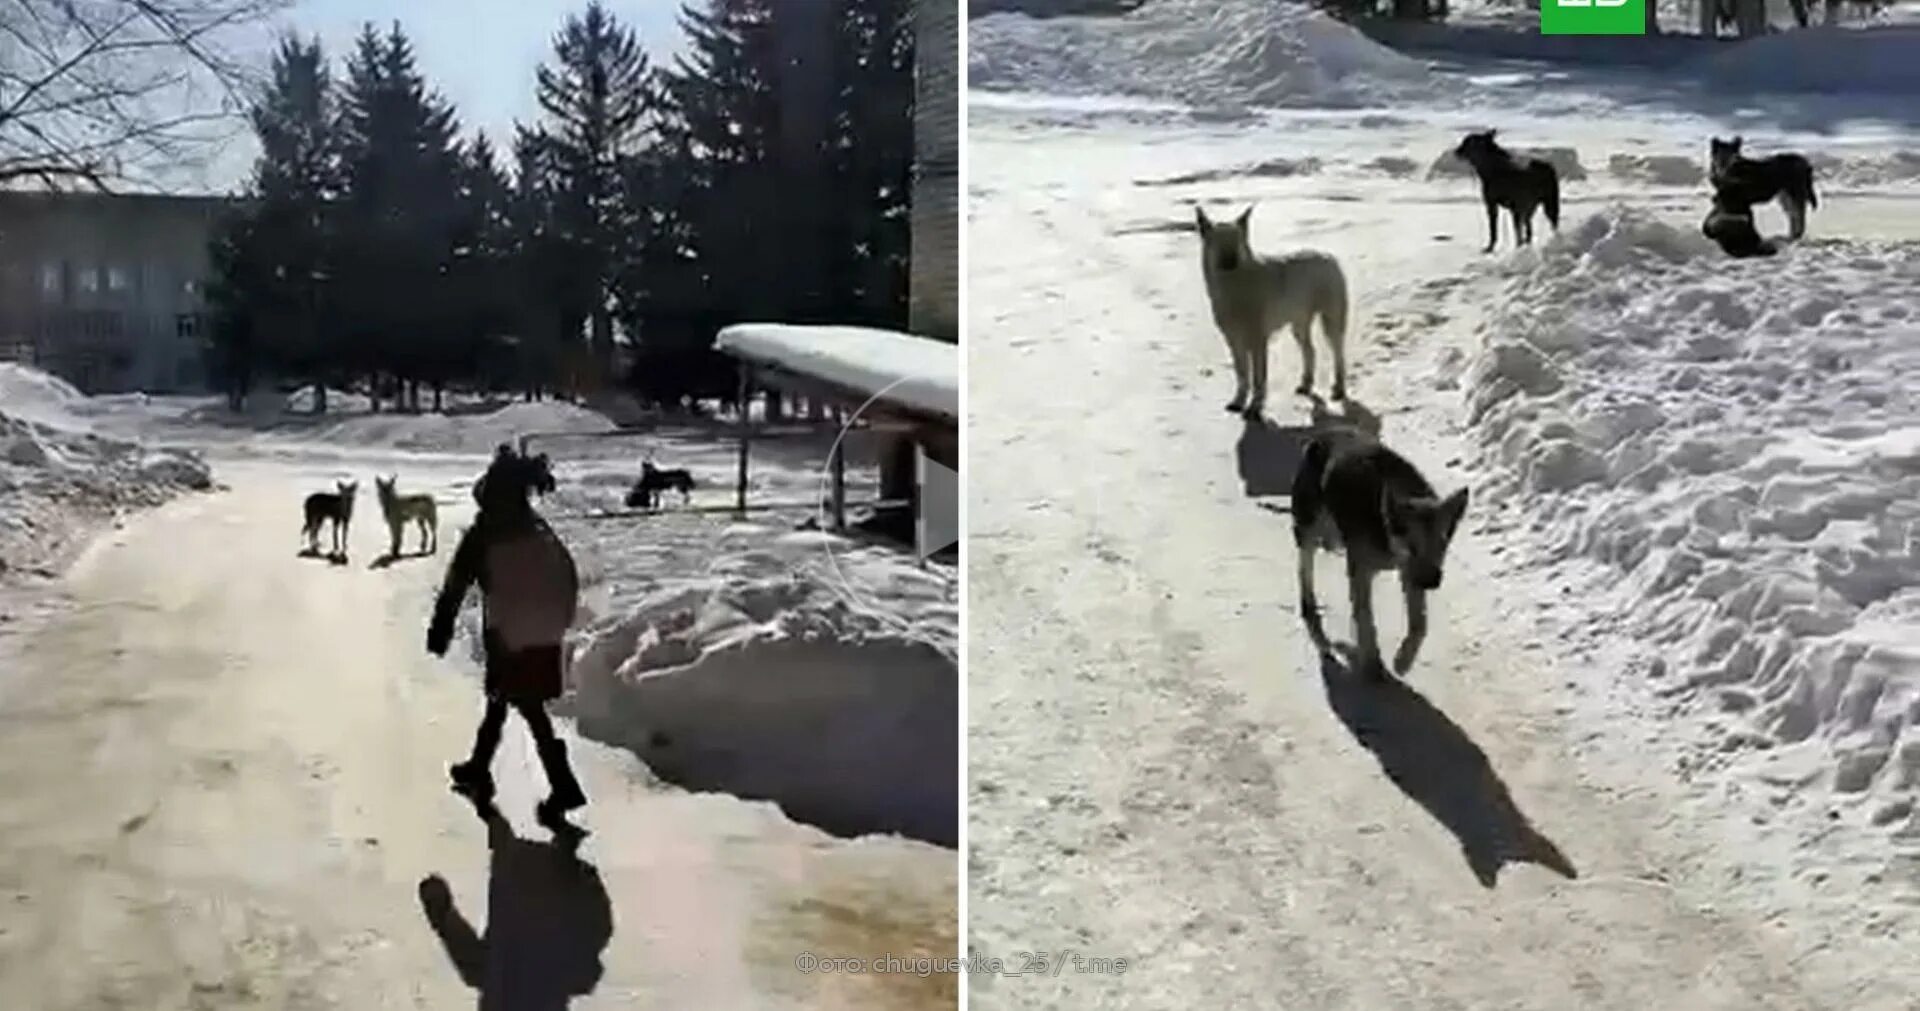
(933, 305)
(106, 291)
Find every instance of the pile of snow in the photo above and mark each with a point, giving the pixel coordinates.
(917, 371)
(1891, 168)
(466, 433)
(350, 422)
(1856, 170)
(268, 406)
(1659, 169)
(795, 667)
(1722, 460)
(1879, 59)
(27, 392)
(306, 398)
(753, 658)
(1207, 53)
(59, 479)
(1267, 168)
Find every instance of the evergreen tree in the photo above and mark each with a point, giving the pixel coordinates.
(721, 129)
(400, 218)
(271, 262)
(482, 260)
(599, 110)
(872, 149)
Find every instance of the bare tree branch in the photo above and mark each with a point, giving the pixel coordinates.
(94, 92)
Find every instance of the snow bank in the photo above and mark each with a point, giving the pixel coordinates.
(1893, 168)
(917, 371)
(306, 398)
(349, 423)
(1879, 59)
(797, 668)
(1209, 53)
(27, 392)
(467, 433)
(1722, 458)
(1659, 169)
(59, 479)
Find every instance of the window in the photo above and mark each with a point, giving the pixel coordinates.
(51, 274)
(117, 280)
(186, 326)
(89, 280)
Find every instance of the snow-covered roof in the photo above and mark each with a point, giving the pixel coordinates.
(915, 372)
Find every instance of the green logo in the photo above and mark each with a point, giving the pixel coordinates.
(1593, 17)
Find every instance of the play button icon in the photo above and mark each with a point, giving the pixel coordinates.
(936, 521)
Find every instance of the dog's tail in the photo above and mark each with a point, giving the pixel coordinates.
(1333, 304)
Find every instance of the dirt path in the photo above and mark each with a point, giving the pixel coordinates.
(1164, 771)
(223, 772)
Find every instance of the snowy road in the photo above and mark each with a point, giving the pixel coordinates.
(1161, 768)
(224, 770)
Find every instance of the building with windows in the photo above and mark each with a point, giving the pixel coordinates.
(107, 290)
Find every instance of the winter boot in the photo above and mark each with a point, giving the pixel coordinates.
(472, 779)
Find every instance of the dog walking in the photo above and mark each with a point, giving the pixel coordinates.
(530, 591)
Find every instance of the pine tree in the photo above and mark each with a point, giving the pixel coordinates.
(400, 217)
(482, 257)
(872, 150)
(272, 279)
(720, 132)
(599, 109)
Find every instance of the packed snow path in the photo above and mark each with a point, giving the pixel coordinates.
(223, 772)
(1162, 770)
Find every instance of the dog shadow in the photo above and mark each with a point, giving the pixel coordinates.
(1436, 764)
(548, 921)
(1269, 454)
(390, 559)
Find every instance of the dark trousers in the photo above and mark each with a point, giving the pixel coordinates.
(553, 751)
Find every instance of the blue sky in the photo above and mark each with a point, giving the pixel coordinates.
(479, 54)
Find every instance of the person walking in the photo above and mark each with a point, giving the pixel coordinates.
(530, 591)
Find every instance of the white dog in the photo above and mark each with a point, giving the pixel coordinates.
(1253, 295)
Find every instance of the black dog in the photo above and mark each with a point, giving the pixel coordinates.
(1516, 182)
(1730, 224)
(653, 481)
(1749, 181)
(335, 507)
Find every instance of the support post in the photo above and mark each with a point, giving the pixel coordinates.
(746, 436)
(838, 464)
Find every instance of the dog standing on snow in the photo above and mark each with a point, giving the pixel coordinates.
(645, 493)
(1353, 495)
(1517, 182)
(1745, 182)
(336, 507)
(400, 510)
(1253, 295)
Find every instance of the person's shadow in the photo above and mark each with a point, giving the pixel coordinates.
(1433, 761)
(1268, 454)
(548, 920)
